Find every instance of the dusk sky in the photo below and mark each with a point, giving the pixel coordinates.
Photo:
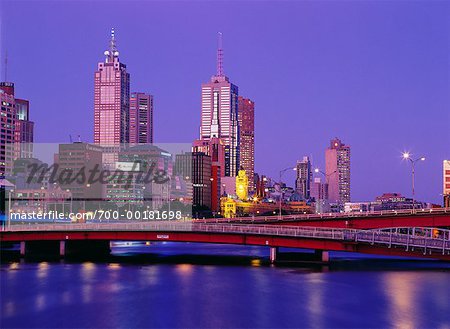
(373, 73)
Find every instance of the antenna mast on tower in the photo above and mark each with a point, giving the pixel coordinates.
(6, 66)
(219, 55)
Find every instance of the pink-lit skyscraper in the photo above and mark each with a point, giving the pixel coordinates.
(219, 117)
(141, 118)
(246, 118)
(337, 169)
(111, 99)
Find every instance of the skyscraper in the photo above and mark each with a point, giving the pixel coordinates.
(111, 99)
(17, 129)
(337, 169)
(219, 118)
(246, 118)
(141, 118)
(201, 179)
(304, 178)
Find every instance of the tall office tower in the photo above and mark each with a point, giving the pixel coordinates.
(446, 183)
(216, 150)
(17, 129)
(319, 190)
(8, 125)
(246, 118)
(201, 179)
(25, 127)
(141, 118)
(219, 117)
(304, 178)
(337, 170)
(111, 99)
(80, 157)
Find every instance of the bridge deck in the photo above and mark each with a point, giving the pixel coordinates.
(411, 241)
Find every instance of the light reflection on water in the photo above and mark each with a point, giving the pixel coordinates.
(249, 294)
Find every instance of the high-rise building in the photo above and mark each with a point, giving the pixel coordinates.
(319, 190)
(141, 118)
(111, 99)
(446, 183)
(304, 178)
(337, 170)
(17, 130)
(80, 157)
(246, 118)
(201, 179)
(215, 149)
(25, 127)
(219, 118)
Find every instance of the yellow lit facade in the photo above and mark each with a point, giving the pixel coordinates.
(242, 185)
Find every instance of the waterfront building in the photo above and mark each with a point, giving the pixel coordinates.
(79, 157)
(337, 170)
(446, 183)
(150, 171)
(111, 99)
(246, 118)
(219, 114)
(141, 118)
(304, 178)
(17, 128)
(319, 190)
(201, 179)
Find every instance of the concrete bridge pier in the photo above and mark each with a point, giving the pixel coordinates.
(22, 248)
(322, 255)
(62, 248)
(273, 254)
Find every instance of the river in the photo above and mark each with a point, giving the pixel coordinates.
(215, 286)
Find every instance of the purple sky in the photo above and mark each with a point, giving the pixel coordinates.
(374, 73)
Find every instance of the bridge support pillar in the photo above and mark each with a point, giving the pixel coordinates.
(22, 248)
(273, 254)
(322, 255)
(62, 248)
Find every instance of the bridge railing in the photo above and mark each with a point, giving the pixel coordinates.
(355, 215)
(431, 239)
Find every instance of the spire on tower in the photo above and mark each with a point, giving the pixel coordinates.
(112, 43)
(6, 65)
(219, 55)
(112, 52)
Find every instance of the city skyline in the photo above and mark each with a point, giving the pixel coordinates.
(372, 152)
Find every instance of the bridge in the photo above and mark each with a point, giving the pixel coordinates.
(421, 242)
(437, 217)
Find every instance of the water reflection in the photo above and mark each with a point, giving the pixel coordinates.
(315, 300)
(239, 292)
(43, 268)
(402, 294)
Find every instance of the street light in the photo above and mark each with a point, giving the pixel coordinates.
(407, 156)
(281, 189)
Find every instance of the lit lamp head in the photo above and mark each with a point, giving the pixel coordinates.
(406, 155)
(422, 159)
(316, 170)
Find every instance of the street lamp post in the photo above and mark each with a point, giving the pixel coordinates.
(281, 189)
(407, 156)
